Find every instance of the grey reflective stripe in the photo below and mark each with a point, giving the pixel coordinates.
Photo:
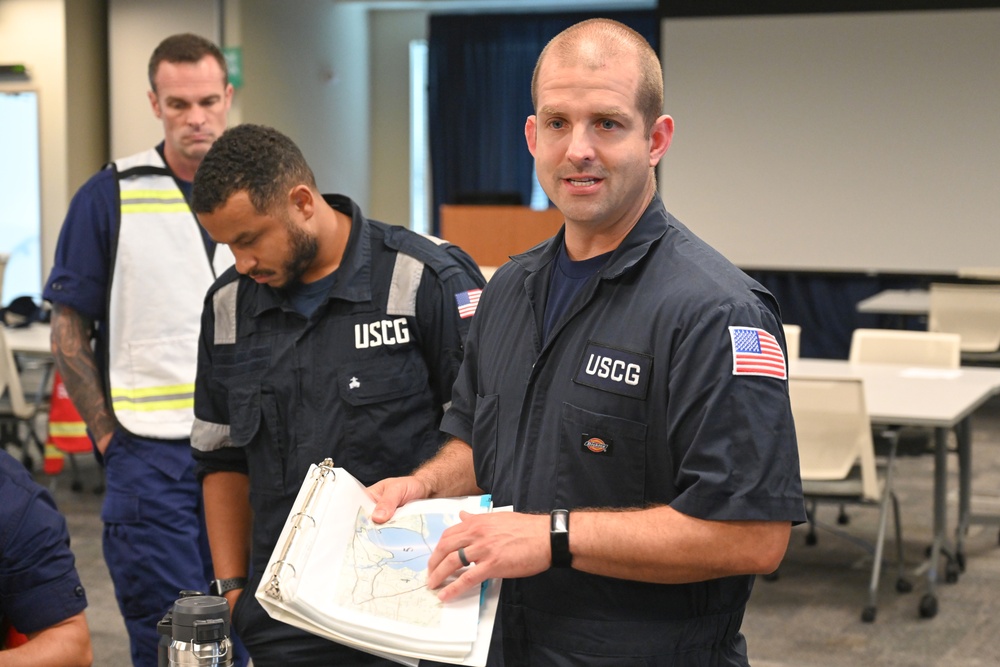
(433, 239)
(403, 288)
(208, 437)
(224, 304)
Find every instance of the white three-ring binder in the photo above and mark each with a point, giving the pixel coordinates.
(337, 574)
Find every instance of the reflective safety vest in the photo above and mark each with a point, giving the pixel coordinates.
(160, 276)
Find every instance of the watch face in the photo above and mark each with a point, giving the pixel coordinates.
(559, 522)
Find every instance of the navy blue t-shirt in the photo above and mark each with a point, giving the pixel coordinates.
(567, 279)
(307, 297)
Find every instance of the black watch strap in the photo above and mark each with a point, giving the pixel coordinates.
(559, 538)
(223, 586)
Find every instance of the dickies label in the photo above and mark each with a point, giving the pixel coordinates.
(616, 371)
(597, 444)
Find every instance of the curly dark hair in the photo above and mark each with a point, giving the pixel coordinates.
(253, 158)
(185, 48)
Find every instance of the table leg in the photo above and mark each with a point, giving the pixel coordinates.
(929, 603)
(963, 435)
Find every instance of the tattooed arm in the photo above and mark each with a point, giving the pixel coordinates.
(75, 361)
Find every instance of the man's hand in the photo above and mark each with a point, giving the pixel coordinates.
(392, 492)
(500, 544)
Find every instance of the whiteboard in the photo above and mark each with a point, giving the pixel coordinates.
(860, 142)
(20, 195)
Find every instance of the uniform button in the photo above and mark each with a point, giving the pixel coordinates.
(79, 591)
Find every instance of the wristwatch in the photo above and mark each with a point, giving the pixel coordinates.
(559, 538)
(222, 586)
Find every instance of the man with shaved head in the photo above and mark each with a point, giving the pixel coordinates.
(624, 388)
(131, 269)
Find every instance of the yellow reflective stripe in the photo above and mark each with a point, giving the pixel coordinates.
(67, 429)
(152, 194)
(150, 399)
(179, 207)
(153, 201)
(124, 405)
(147, 392)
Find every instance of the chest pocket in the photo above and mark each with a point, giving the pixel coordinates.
(255, 420)
(602, 460)
(389, 422)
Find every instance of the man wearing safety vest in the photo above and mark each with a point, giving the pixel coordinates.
(131, 269)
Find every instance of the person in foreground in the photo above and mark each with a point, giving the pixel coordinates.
(131, 269)
(333, 336)
(40, 591)
(624, 389)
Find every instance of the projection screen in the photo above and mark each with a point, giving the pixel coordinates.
(845, 142)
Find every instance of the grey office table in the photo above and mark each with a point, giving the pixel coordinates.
(32, 340)
(943, 399)
(905, 302)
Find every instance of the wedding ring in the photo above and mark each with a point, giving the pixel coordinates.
(461, 557)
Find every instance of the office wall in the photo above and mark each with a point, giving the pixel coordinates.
(86, 90)
(66, 69)
(862, 142)
(391, 34)
(135, 27)
(306, 74)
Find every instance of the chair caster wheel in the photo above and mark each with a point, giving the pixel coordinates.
(928, 606)
(77, 487)
(811, 540)
(951, 572)
(773, 576)
(904, 585)
(960, 559)
(868, 615)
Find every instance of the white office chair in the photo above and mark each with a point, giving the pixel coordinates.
(973, 312)
(19, 416)
(913, 348)
(837, 462)
(792, 334)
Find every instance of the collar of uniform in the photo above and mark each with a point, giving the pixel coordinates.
(652, 225)
(354, 273)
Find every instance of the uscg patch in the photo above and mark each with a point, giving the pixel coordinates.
(613, 370)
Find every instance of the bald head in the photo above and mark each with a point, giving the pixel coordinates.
(597, 42)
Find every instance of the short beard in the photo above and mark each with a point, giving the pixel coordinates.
(304, 251)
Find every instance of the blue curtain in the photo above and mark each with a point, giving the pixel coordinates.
(479, 96)
(825, 306)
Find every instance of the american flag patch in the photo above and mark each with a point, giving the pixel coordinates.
(467, 302)
(756, 352)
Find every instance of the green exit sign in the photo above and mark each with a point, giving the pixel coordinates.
(13, 70)
(234, 63)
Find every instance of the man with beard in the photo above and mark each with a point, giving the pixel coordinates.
(131, 270)
(334, 336)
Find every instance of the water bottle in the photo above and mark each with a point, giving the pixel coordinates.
(199, 632)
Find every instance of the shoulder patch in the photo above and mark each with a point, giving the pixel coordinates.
(756, 352)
